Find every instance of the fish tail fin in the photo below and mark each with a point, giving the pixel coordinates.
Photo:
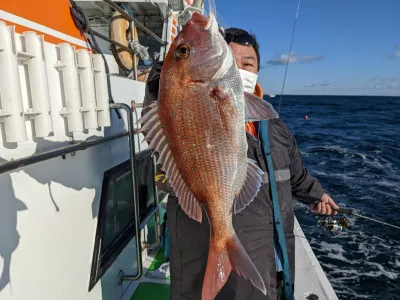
(243, 265)
(221, 261)
(217, 272)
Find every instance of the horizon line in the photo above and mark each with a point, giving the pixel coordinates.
(330, 95)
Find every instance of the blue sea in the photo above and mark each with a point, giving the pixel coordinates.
(352, 145)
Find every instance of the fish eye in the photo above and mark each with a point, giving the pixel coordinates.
(182, 51)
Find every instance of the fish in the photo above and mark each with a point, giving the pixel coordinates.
(197, 127)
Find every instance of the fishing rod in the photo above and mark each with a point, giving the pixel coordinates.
(351, 212)
(341, 223)
(289, 54)
(337, 225)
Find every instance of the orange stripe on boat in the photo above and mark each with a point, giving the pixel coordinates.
(54, 14)
(47, 38)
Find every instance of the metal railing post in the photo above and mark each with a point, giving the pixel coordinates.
(157, 216)
(131, 136)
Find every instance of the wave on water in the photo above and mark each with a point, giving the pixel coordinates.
(355, 154)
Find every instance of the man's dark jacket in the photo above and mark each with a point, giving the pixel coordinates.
(254, 225)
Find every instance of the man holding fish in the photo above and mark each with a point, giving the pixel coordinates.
(230, 218)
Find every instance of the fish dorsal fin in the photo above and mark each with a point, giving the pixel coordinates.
(250, 188)
(154, 135)
(258, 109)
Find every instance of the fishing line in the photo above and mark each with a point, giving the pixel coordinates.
(307, 199)
(288, 58)
(352, 213)
(337, 225)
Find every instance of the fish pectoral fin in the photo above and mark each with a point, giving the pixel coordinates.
(250, 188)
(226, 109)
(258, 109)
(220, 264)
(220, 92)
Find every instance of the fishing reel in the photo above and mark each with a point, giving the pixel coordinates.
(334, 225)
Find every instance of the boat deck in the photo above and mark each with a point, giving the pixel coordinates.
(311, 281)
(310, 278)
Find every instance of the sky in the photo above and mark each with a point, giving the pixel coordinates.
(340, 47)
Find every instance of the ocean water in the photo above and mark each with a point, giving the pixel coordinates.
(352, 145)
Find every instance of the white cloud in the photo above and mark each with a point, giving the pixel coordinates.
(385, 83)
(317, 85)
(282, 59)
(396, 55)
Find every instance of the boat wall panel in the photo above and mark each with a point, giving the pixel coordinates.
(48, 213)
(54, 235)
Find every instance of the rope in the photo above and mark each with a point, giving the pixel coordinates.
(79, 17)
(82, 23)
(290, 52)
(139, 49)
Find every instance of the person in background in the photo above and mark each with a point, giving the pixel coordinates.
(265, 227)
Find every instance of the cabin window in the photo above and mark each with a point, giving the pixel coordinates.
(115, 225)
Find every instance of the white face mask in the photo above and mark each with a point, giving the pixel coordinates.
(249, 80)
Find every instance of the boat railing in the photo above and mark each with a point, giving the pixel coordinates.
(63, 151)
(82, 23)
(72, 148)
(138, 226)
(138, 24)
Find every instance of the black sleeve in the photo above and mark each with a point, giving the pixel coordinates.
(152, 85)
(305, 187)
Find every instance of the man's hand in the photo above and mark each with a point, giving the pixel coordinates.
(325, 206)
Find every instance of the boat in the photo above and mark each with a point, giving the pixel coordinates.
(271, 95)
(80, 215)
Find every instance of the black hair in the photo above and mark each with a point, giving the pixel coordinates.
(242, 37)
